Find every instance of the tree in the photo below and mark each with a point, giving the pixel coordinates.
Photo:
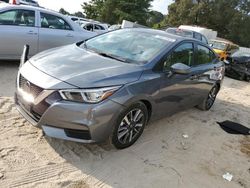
(114, 11)
(79, 14)
(63, 11)
(229, 17)
(154, 17)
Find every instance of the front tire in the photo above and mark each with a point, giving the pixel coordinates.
(129, 126)
(209, 101)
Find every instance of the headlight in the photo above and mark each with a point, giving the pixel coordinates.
(88, 95)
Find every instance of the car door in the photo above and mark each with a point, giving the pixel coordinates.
(17, 28)
(176, 92)
(54, 31)
(206, 71)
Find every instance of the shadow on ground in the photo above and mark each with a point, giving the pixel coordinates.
(8, 73)
(162, 157)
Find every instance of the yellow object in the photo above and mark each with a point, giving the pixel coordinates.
(223, 47)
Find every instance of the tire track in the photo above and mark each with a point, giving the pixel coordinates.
(6, 106)
(40, 174)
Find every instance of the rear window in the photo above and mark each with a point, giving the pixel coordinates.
(53, 22)
(197, 36)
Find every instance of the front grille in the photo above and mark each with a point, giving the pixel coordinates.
(29, 87)
(36, 111)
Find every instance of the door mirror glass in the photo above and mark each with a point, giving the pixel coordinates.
(180, 68)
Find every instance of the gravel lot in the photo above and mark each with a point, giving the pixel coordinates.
(162, 157)
(8, 72)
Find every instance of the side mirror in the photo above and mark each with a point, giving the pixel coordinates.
(25, 55)
(180, 68)
(211, 45)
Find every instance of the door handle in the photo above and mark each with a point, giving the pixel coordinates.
(32, 33)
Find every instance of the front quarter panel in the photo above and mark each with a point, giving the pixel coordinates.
(145, 89)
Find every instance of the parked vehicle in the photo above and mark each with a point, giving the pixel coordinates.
(110, 86)
(4, 1)
(223, 47)
(238, 66)
(94, 27)
(79, 20)
(187, 33)
(40, 28)
(29, 2)
(115, 27)
(208, 33)
(23, 2)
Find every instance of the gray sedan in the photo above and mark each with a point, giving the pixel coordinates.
(110, 86)
(40, 28)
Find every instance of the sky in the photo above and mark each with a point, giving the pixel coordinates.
(74, 5)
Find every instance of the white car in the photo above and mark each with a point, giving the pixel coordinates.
(40, 28)
(29, 2)
(115, 27)
(97, 28)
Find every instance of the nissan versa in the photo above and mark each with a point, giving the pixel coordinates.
(110, 86)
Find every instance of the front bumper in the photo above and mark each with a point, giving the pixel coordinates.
(86, 123)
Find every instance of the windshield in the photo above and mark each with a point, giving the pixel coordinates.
(218, 45)
(131, 46)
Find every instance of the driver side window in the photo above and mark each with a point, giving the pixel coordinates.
(182, 54)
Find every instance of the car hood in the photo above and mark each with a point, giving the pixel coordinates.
(85, 69)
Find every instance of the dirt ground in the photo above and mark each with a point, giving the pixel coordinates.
(162, 157)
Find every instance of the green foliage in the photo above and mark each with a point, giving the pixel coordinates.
(63, 11)
(154, 17)
(114, 11)
(231, 18)
(78, 14)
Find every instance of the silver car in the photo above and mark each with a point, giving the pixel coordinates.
(110, 86)
(40, 28)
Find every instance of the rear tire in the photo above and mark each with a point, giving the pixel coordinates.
(209, 101)
(129, 126)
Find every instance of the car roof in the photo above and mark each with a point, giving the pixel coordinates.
(28, 7)
(185, 30)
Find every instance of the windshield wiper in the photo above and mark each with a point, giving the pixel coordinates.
(113, 57)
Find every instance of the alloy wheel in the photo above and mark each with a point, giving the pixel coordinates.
(131, 126)
(211, 97)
